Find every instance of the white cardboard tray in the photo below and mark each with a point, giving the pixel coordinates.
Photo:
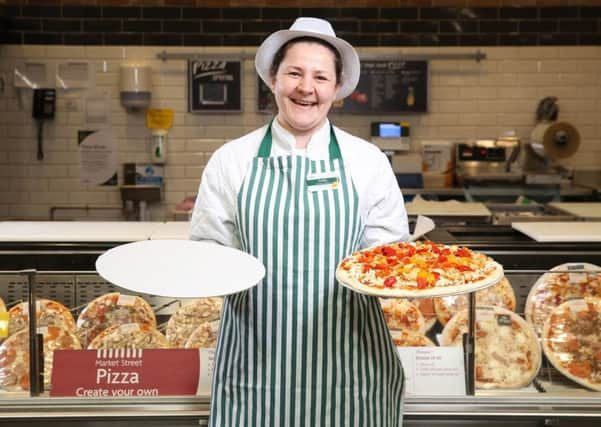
(560, 231)
(180, 268)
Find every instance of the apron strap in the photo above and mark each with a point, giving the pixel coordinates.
(266, 143)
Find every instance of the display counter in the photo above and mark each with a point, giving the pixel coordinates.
(65, 272)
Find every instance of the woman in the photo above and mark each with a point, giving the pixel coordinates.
(300, 194)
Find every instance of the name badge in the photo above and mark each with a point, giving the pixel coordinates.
(323, 181)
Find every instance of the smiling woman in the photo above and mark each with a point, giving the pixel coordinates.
(300, 194)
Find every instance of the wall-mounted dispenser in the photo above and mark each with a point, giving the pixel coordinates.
(136, 86)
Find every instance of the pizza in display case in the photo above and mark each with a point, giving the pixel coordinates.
(129, 336)
(571, 340)
(188, 317)
(410, 339)
(204, 336)
(48, 313)
(112, 309)
(499, 295)
(560, 284)
(507, 351)
(401, 314)
(14, 355)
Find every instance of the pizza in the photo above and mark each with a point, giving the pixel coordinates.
(401, 314)
(204, 336)
(48, 312)
(410, 339)
(500, 295)
(417, 270)
(426, 308)
(572, 340)
(561, 283)
(507, 352)
(189, 316)
(14, 356)
(129, 336)
(112, 309)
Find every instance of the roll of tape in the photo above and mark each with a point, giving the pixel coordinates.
(555, 140)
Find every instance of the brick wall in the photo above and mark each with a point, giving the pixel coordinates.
(363, 23)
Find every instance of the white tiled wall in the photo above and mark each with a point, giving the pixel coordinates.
(468, 99)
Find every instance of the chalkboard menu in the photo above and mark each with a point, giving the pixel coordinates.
(214, 85)
(385, 86)
(389, 87)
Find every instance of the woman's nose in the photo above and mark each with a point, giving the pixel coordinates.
(305, 85)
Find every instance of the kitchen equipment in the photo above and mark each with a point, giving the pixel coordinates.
(507, 213)
(44, 107)
(488, 160)
(550, 141)
(180, 268)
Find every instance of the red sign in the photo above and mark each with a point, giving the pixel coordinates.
(125, 373)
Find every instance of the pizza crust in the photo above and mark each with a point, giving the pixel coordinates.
(572, 341)
(205, 335)
(508, 354)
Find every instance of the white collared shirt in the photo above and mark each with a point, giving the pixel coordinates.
(381, 205)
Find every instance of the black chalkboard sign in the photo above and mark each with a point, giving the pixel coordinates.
(389, 86)
(385, 86)
(214, 85)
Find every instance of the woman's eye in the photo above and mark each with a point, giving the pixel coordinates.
(294, 73)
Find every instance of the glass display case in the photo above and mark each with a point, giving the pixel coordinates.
(556, 395)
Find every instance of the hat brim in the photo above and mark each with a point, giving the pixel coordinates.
(350, 60)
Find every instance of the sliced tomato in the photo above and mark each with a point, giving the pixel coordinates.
(463, 268)
(463, 252)
(388, 251)
(390, 281)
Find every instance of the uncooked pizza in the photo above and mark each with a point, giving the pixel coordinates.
(48, 313)
(410, 339)
(561, 283)
(426, 308)
(14, 356)
(401, 314)
(188, 317)
(507, 352)
(204, 336)
(129, 336)
(499, 295)
(109, 310)
(418, 270)
(572, 340)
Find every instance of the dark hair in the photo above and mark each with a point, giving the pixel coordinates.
(281, 53)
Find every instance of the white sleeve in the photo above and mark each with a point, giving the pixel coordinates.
(214, 213)
(386, 217)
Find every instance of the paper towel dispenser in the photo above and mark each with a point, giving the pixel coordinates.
(135, 86)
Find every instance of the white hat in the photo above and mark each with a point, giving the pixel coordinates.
(311, 27)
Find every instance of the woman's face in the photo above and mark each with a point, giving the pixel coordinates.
(305, 87)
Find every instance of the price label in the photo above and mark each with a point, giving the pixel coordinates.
(503, 320)
(431, 371)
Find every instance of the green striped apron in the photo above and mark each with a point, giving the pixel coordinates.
(299, 349)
